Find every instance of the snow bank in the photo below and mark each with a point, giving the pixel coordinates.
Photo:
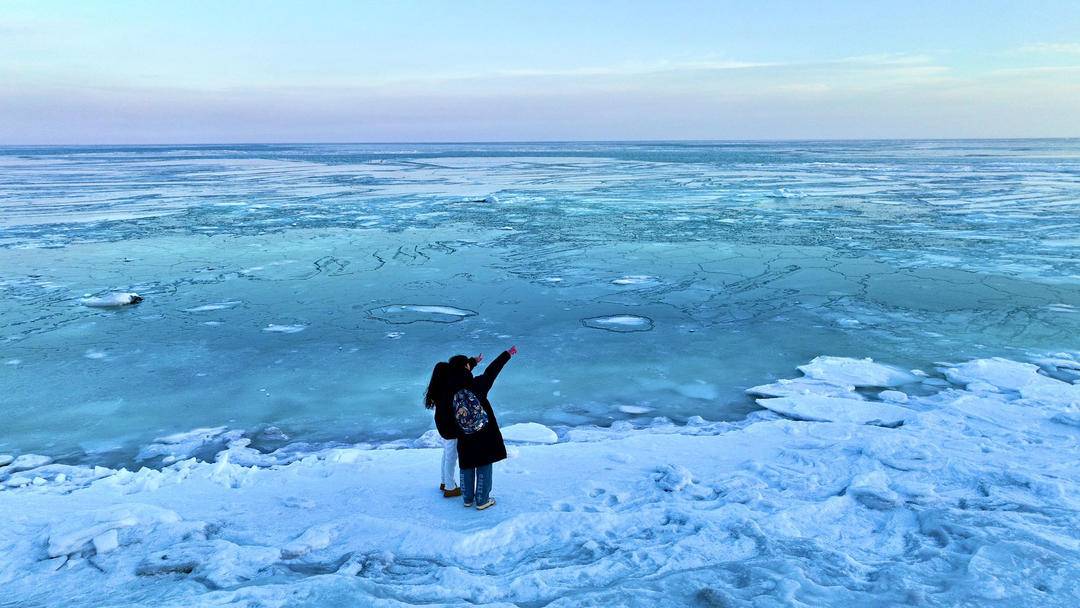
(973, 500)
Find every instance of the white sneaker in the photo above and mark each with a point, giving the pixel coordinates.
(489, 503)
(468, 504)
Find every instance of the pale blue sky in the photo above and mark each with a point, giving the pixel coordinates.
(230, 71)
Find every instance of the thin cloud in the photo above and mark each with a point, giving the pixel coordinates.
(1055, 48)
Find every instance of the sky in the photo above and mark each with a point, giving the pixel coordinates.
(98, 72)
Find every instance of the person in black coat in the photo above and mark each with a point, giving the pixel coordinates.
(476, 451)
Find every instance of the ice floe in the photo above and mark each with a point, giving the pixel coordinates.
(112, 300)
(213, 307)
(412, 313)
(275, 328)
(635, 279)
(619, 323)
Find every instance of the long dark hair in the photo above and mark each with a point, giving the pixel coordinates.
(447, 378)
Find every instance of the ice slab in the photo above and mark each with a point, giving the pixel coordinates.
(843, 371)
(412, 313)
(817, 408)
(213, 307)
(619, 323)
(803, 386)
(529, 432)
(1014, 376)
(275, 328)
(112, 300)
(635, 279)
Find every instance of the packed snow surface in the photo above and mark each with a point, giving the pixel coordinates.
(974, 500)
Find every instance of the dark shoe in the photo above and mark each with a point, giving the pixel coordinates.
(451, 493)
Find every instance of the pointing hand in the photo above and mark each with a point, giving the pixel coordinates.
(512, 351)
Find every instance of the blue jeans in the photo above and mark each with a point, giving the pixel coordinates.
(476, 484)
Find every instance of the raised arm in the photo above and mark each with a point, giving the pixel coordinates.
(484, 381)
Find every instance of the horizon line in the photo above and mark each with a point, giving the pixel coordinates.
(538, 141)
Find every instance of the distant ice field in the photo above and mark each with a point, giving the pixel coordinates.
(303, 293)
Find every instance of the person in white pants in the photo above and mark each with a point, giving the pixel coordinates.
(436, 398)
(449, 467)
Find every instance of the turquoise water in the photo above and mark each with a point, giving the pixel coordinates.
(302, 293)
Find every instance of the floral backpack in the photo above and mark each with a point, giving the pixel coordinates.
(468, 412)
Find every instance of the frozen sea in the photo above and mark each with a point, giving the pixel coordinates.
(308, 290)
(750, 374)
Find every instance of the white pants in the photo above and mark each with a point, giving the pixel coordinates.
(449, 464)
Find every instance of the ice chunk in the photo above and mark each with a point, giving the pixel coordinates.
(619, 323)
(529, 432)
(834, 409)
(26, 462)
(893, 396)
(106, 542)
(1002, 373)
(218, 562)
(855, 372)
(112, 300)
(6, 459)
(634, 409)
(872, 490)
(412, 313)
(182, 445)
(71, 534)
(803, 386)
(313, 539)
(1007, 375)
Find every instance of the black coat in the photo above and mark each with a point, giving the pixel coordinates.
(486, 445)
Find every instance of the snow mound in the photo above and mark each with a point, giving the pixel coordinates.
(817, 408)
(529, 432)
(843, 371)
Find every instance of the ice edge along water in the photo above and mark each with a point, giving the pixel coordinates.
(972, 497)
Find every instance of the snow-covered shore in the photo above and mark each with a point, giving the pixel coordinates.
(961, 487)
